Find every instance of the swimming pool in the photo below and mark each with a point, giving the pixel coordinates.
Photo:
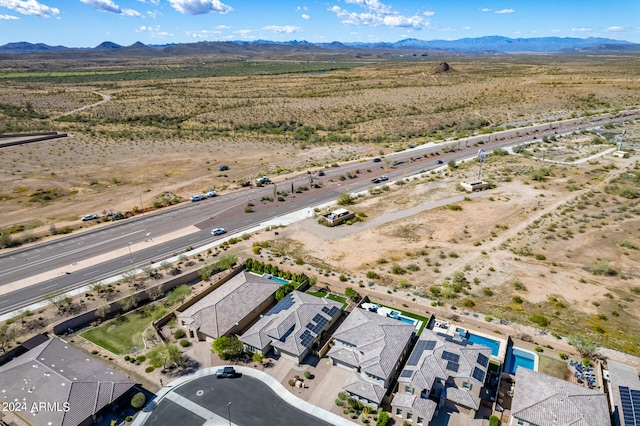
(494, 345)
(276, 279)
(517, 357)
(407, 320)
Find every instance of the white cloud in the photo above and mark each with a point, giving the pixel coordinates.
(615, 29)
(556, 31)
(286, 29)
(200, 7)
(153, 14)
(30, 7)
(223, 27)
(305, 16)
(429, 13)
(154, 31)
(377, 14)
(503, 11)
(111, 7)
(203, 34)
(581, 30)
(154, 2)
(8, 17)
(485, 9)
(466, 28)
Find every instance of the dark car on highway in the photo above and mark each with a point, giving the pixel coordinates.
(320, 173)
(223, 168)
(439, 161)
(226, 372)
(376, 160)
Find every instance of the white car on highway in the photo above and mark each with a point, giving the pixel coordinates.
(218, 231)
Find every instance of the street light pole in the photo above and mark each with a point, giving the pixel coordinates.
(130, 255)
(229, 412)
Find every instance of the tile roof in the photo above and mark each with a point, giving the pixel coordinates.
(431, 363)
(56, 372)
(364, 388)
(424, 407)
(545, 400)
(379, 341)
(462, 397)
(284, 325)
(217, 313)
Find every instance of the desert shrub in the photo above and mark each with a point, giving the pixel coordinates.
(372, 275)
(141, 358)
(540, 257)
(563, 355)
(519, 286)
(398, 270)
(184, 343)
(179, 334)
(602, 267)
(517, 299)
(538, 349)
(539, 319)
(149, 369)
(307, 375)
(342, 278)
(468, 303)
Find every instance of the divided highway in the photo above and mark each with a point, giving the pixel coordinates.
(20, 269)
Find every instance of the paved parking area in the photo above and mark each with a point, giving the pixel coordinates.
(255, 398)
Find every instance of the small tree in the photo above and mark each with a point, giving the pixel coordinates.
(227, 261)
(283, 291)
(585, 346)
(452, 164)
(102, 311)
(128, 302)
(350, 293)
(154, 292)
(129, 276)
(227, 347)
(206, 272)
(148, 270)
(257, 357)
(178, 294)
(7, 336)
(344, 199)
(383, 419)
(163, 355)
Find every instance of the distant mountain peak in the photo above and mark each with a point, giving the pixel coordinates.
(107, 45)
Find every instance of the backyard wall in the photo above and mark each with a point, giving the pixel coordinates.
(142, 296)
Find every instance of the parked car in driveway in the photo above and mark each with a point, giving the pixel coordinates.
(89, 217)
(218, 231)
(226, 372)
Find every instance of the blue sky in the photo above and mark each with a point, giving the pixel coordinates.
(87, 23)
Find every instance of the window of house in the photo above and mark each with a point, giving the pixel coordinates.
(408, 389)
(409, 416)
(399, 412)
(420, 420)
(520, 422)
(467, 385)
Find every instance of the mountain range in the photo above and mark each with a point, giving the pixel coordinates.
(489, 44)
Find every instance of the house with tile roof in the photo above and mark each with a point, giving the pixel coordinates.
(229, 308)
(440, 371)
(625, 393)
(56, 384)
(543, 400)
(373, 346)
(292, 326)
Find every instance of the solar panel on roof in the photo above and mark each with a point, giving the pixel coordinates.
(282, 305)
(325, 310)
(317, 318)
(453, 366)
(448, 356)
(478, 374)
(630, 401)
(483, 360)
(429, 345)
(416, 353)
(334, 310)
(406, 373)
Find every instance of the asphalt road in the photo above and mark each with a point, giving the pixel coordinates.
(252, 404)
(227, 211)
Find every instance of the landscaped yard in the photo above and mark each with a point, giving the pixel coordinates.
(123, 334)
(553, 367)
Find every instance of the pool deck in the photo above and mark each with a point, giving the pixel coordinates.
(445, 327)
(385, 311)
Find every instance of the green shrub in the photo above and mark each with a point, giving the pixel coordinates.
(494, 421)
(149, 369)
(138, 400)
(563, 355)
(372, 275)
(141, 358)
(179, 334)
(538, 349)
(128, 419)
(342, 278)
(539, 319)
(602, 267)
(307, 375)
(184, 343)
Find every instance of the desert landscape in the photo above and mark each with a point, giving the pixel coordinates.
(553, 244)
